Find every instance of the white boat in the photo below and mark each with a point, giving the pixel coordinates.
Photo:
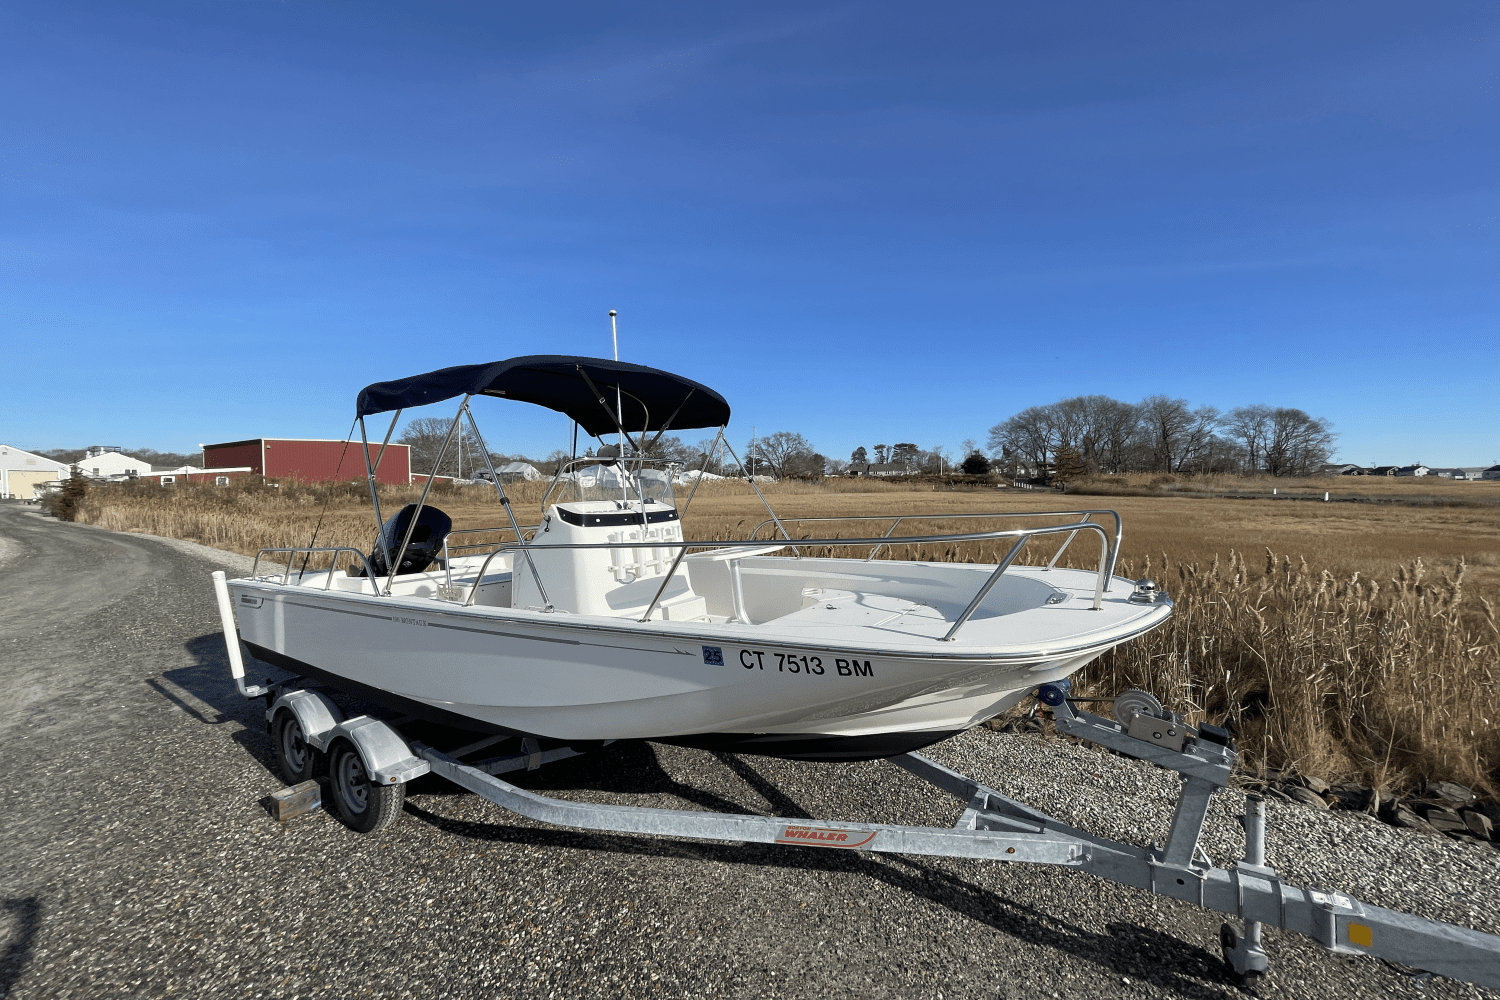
(603, 621)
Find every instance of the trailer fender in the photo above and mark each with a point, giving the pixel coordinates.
(316, 713)
(387, 758)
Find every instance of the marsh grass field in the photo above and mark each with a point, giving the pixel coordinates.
(1344, 641)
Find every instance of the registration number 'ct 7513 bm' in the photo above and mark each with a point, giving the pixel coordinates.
(790, 662)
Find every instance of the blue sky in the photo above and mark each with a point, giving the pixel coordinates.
(866, 223)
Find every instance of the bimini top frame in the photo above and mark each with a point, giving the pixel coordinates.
(644, 398)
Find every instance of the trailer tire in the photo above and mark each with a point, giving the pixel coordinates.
(364, 807)
(1230, 940)
(298, 759)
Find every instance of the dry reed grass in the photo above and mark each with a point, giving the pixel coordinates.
(1353, 660)
(1424, 490)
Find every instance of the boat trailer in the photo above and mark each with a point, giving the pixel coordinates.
(369, 761)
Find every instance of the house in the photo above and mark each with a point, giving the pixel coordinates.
(309, 459)
(1493, 472)
(1358, 470)
(1470, 472)
(1339, 470)
(21, 472)
(1412, 470)
(106, 463)
(1384, 470)
(878, 469)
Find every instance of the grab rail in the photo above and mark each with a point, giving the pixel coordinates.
(292, 557)
(447, 557)
(1114, 549)
(1022, 535)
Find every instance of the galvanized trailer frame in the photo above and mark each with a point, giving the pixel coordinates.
(992, 826)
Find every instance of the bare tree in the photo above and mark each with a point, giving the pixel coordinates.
(936, 460)
(1298, 443)
(1029, 436)
(1197, 439)
(1165, 422)
(425, 436)
(785, 453)
(671, 449)
(1251, 426)
(701, 451)
(1112, 425)
(1071, 422)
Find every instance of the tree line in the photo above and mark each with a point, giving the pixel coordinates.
(1160, 434)
(1070, 437)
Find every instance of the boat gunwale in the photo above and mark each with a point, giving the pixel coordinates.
(679, 631)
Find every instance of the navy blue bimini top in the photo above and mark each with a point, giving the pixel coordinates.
(651, 400)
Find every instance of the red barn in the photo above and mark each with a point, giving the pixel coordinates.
(310, 460)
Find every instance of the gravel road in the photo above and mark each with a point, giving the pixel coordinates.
(139, 859)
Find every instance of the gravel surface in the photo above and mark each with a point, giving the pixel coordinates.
(140, 859)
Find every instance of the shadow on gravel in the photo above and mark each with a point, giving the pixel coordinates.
(205, 691)
(629, 767)
(207, 679)
(25, 916)
(1124, 949)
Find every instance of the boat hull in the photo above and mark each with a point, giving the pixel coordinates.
(791, 746)
(577, 678)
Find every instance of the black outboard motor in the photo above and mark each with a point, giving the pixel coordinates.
(426, 540)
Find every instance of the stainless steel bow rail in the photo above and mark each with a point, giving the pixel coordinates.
(368, 762)
(897, 519)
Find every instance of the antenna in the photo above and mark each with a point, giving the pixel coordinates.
(614, 335)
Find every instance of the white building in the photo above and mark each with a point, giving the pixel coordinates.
(518, 472)
(21, 471)
(102, 463)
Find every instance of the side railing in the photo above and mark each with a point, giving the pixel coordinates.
(293, 553)
(448, 545)
(1087, 515)
(1020, 535)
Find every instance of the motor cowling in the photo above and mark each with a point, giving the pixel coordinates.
(425, 547)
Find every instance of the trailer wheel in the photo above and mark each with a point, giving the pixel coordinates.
(298, 759)
(1230, 940)
(365, 807)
